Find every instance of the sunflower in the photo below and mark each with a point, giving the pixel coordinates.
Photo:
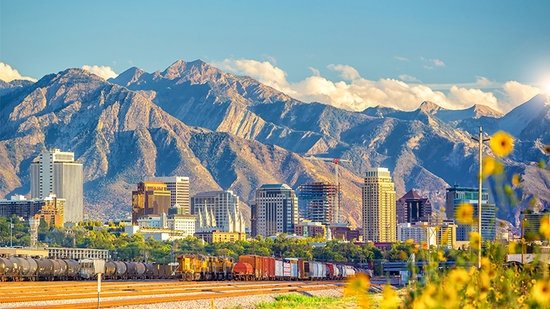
(541, 292)
(545, 227)
(515, 180)
(358, 285)
(459, 277)
(390, 299)
(475, 240)
(465, 213)
(502, 143)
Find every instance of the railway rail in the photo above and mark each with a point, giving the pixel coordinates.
(117, 294)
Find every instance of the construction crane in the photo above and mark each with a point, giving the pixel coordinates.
(336, 161)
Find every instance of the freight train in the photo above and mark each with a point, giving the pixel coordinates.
(188, 268)
(43, 269)
(255, 268)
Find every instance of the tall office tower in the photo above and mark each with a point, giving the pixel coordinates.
(316, 201)
(253, 219)
(379, 214)
(530, 224)
(150, 198)
(179, 188)
(458, 195)
(57, 172)
(276, 209)
(217, 211)
(413, 208)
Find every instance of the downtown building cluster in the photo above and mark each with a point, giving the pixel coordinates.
(162, 207)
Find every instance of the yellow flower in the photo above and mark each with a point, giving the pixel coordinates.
(390, 299)
(545, 227)
(541, 292)
(465, 213)
(502, 143)
(359, 284)
(459, 277)
(515, 180)
(485, 262)
(488, 166)
(441, 256)
(475, 240)
(409, 241)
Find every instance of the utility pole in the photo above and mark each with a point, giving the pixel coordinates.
(336, 207)
(480, 176)
(11, 232)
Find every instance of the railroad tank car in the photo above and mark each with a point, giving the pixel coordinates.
(110, 270)
(27, 268)
(73, 269)
(120, 271)
(140, 270)
(45, 270)
(7, 270)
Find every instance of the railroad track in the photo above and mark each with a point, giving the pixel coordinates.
(117, 294)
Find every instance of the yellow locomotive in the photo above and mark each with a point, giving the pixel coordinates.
(203, 267)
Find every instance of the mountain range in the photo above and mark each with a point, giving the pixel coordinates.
(234, 133)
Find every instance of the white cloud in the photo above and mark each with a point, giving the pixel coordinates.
(484, 81)
(408, 78)
(357, 93)
(104, 72)
(315, 71)
(401, 58)
(437, 62)
(7, 73)
(347, 72)
(517, 93)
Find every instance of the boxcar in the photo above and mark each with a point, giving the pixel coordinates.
(279, 275)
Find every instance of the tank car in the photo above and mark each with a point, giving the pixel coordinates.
(7, 269)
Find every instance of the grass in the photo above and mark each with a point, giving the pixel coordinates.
(298, 301)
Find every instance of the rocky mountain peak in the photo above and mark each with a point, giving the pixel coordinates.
(430, 107)
(481, 110)
(127, 77)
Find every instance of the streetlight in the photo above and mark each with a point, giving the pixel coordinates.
(480, 140)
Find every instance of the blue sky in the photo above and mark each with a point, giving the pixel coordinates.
(352, 54)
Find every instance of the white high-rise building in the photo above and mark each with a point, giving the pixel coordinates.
(57, 172)
(379, 213)
(179, 188)
(217, 211)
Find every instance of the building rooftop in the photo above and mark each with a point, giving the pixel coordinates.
(276, 186)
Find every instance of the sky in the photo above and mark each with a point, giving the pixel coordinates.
(350, 54)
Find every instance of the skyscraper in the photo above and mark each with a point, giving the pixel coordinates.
(217, 211)
(458, 195)
(379, 214)
(179, 188)
(316, 202)
(413, 208)
(57, 172)
(276, 209)
(150, 198)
